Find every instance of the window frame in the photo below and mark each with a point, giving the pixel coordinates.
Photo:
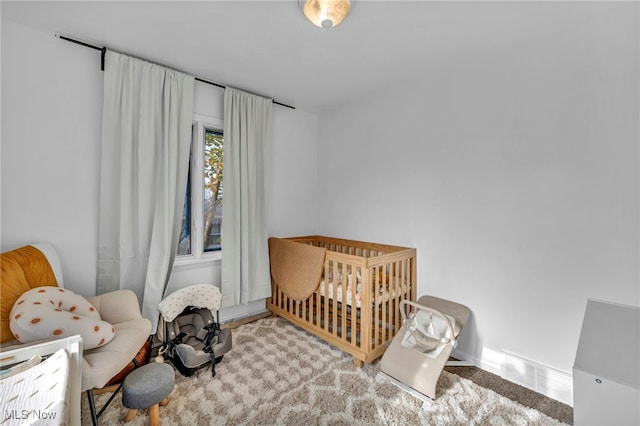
(200, 124)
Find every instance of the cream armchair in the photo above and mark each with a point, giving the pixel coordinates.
(119, 308)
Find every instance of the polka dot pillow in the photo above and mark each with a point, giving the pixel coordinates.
(45, 312)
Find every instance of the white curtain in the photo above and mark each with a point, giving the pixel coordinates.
(146, 139)
(245, 253)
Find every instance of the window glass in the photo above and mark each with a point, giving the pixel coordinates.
(213, 165)
(200, 231)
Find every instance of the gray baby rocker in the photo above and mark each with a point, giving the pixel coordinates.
(190, 334)
(417, 355)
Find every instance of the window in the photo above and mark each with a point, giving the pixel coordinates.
(200, 234)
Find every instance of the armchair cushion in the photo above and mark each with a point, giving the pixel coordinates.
(121, 309)
(101, 364)
(117, 306)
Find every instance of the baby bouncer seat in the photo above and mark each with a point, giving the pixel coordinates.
(190, 334)
(417, 355)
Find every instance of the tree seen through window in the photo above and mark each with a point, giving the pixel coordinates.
(213, 167)
(209, 185)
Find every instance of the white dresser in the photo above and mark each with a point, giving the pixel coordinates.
(606, 372)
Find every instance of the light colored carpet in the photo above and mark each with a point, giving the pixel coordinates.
(277, 374)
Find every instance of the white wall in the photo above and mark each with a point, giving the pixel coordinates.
(516, 177)
(51, 129)
(51, 126)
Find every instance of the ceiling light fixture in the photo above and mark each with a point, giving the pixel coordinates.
(326, 13)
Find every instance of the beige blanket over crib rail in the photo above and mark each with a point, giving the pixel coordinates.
(296, 267)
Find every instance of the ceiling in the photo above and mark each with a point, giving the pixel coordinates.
(269, 48)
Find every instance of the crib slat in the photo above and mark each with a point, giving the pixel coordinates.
(393, 304)
(318, 300)
(334, 301)
(407, 295)
(384, 304)
(378, 304)
(343, 306)
(400, 288)
(325, 313)
(393, 295)
(412, 262)
(304, 303)
(366, 307)
(354, 308)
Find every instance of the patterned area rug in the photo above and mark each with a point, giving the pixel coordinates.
(278, 374)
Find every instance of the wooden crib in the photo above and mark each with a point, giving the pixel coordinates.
(355, 304)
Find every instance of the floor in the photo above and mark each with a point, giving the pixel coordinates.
(515, 392)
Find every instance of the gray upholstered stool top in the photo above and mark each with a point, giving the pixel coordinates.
(147, 385)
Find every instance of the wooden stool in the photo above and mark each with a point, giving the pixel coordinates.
(148, 387)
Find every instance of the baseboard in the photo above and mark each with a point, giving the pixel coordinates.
(235, 323)
(538, 377)
(491, 364)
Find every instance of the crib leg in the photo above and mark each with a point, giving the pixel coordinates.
(358, 362)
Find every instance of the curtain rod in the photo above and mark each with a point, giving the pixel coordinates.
(103, 50)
